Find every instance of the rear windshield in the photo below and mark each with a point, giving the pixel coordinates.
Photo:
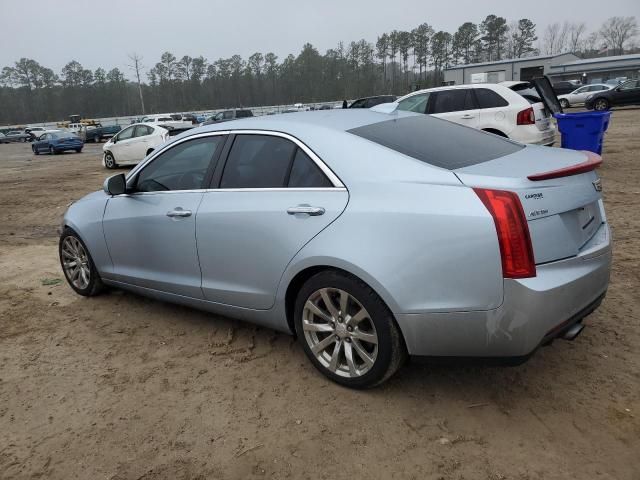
(437, 142)
(528, 91)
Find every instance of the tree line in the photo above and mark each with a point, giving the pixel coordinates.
(397, 62)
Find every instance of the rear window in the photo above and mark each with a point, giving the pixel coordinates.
(437, 142)
(527, 91)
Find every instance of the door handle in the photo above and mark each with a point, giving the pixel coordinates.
(306, 209)
(467, 116)
(179, 212)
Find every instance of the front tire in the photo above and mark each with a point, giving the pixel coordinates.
(564, 103)
(110, 161)
(52, 151)
(347, 331)
(601, 104)
(78, 150)
(96, 139)
(77, 265)
(35, 150)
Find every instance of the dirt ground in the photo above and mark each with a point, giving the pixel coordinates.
(122, 387)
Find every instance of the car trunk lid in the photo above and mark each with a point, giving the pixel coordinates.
(559, 192)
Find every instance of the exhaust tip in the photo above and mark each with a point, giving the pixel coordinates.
(574, 331)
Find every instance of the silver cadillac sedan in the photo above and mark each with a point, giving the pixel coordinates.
(371, 236)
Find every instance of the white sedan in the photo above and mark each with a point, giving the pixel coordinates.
(579, 95)
(132, 144)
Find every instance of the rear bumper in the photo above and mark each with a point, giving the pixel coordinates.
(534, 311)
(530, 134)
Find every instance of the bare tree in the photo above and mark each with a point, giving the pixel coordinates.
(136, 66)
(554, 40)
(576, 32)
(617, 31)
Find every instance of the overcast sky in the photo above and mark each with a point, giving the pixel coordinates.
(101, 33)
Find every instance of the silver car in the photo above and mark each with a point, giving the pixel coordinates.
(368, 235)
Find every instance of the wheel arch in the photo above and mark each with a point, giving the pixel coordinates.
(295, 283)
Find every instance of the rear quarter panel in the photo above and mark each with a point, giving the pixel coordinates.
(421, 247)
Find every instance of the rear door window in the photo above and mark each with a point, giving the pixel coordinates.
(306, 174)
(258, 161)
(489, 99)
(446, 101)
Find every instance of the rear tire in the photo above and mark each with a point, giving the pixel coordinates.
(110, 161)
(77, 265)
(96, 139)
(360, 347)
(52, 151)
(78, 150)
(564, 103)
(601, 104)
(35, 150)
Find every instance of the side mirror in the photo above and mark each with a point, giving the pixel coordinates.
(114, 139)
(115, 185)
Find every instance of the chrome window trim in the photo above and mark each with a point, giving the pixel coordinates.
(226, 190)
(333, 178)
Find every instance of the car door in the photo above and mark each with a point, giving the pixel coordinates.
(456, 105)
(121, 149)
(274, 195)
(580, 95)
(151, 231)
(140, 142)
(492, 110)
(627, 94)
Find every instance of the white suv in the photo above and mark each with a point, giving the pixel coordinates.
(509, 109)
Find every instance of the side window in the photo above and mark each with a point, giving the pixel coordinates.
(416, 103)
(489, 99)
(630, 85)
(357, 104)
(306, 174)
(258, 161)
(182, 167)
(142, 130)
(227, 115)
(126, 134)
(451, 101)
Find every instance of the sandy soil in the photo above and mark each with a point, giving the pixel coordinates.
(122, 387)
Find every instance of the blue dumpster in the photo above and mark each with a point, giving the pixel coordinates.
(583, 130)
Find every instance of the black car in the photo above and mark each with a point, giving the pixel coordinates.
(565, 86)
(228, 115)
(368, 102)
(627, 93)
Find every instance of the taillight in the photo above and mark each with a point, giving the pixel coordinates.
(526, 117)
(516, 251)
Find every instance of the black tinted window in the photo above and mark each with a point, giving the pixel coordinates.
(244, 114)
(182, 167)
(437, 142)
(489, 99)
(258, 161)
(306, 174)
(357, 104)
(451, 101)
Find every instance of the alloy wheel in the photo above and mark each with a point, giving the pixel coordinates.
(340, 332)
(75, 262)
(601, 104)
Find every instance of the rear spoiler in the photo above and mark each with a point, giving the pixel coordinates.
(593, 161)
